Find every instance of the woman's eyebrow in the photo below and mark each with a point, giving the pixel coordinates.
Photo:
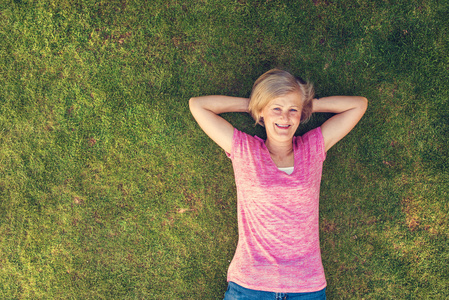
(277, 104)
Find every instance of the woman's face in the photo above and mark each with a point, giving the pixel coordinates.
(282, 116)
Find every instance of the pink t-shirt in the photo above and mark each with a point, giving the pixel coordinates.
(278, 248)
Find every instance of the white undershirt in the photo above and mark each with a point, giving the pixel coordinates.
(288, 170)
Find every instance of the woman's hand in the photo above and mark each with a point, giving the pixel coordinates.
(348, 109)
(206, 112)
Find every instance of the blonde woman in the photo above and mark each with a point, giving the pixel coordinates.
(278, 181)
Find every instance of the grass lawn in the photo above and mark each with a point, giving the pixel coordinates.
(110, 190)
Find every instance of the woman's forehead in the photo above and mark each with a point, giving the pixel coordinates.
(290, 99)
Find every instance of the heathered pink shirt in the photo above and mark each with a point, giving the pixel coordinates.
(278, 248)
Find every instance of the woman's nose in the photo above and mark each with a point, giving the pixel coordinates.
(284, 115)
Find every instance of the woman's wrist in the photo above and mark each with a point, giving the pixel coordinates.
(221, 104)
(315, 105)
(238, 104)
(337, 104)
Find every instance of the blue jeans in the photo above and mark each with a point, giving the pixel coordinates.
(237, 292)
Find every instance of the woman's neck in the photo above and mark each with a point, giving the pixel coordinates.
(281, 153)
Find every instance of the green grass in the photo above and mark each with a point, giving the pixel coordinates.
(109, 189)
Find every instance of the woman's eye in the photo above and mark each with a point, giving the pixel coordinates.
(294, 110)
(276, 108)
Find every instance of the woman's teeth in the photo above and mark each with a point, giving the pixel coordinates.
(283, 126)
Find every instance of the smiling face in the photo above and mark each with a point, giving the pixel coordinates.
(281, 117)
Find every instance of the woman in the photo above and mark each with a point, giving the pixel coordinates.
(278, 180)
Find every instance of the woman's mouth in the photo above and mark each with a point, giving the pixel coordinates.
(282, 126)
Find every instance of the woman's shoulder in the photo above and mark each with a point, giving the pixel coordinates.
(312, 139)
(246, 138)
(312, 134)
(243, 142)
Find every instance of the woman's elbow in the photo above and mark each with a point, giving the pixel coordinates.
(192, 102)
(364, 103)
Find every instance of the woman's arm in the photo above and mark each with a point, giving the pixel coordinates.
(206, 112)
(349, 110)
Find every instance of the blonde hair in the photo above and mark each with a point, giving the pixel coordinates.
(277, 83)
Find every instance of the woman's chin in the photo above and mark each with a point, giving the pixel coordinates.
(281, 136)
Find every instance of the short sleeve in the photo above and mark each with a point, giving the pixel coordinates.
(235, 143)
(315, 140)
